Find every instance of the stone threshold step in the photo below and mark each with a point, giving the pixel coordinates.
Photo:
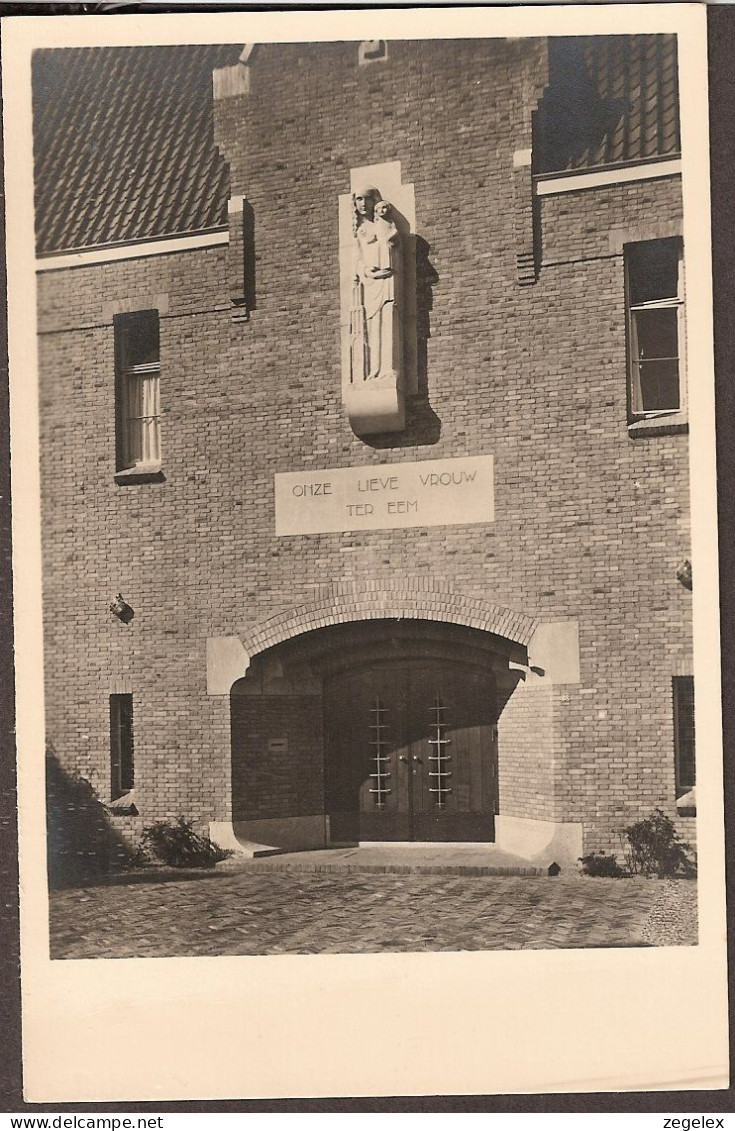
(278, 864)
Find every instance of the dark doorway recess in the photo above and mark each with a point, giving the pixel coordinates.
(411, 753)
(380, 729)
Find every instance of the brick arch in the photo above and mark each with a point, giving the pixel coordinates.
(390, 599)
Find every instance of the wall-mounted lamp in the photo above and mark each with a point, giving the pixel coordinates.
(684, 574)
(121, 609)
(525, 669)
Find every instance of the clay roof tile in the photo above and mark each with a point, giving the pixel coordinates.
(610, 100)
(124, 144)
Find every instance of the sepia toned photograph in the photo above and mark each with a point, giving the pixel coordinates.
(374, 536)
(365, 385)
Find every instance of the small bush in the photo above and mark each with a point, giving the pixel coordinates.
(600, 864)
(84, 845)
(180, 846)
(654, 848)
(140, 858)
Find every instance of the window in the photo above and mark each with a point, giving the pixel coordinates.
(137, 364)
(655, 298)
(121, 746)
(684, 733)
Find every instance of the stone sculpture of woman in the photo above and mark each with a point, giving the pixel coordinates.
(376, 344)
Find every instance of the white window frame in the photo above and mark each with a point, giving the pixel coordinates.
(141, 432)
(675, 302)
(136, 384)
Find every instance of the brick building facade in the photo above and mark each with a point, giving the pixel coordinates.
(295, 688)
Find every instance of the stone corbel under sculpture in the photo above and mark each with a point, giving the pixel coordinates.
(378, 295)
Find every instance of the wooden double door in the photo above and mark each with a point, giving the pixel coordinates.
(411, 753)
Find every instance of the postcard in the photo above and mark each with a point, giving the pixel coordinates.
(365, 553)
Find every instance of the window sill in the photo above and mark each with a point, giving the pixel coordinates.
(143, 473)
(124, 806)
(659, 425)
(686, 805)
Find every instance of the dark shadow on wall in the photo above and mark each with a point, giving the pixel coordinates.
(248, 255)
(426, 280)
(538, 233)
(574, 123)
(423, 426)
(83, 845)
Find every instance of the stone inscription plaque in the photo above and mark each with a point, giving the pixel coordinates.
(435, 492)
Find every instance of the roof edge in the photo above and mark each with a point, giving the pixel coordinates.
(164, 244)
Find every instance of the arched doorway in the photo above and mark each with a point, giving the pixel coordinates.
(377, 730)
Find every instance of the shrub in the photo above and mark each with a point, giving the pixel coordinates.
(654, 848)
(178, 845)
(84, 845)
(600, 864)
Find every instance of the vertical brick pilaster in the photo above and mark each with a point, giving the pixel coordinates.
(241, 259)
(236, 260)
(533, 75)
(524, 219)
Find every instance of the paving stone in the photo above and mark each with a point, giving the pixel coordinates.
(278, 912)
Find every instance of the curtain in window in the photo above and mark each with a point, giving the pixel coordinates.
(143, 431)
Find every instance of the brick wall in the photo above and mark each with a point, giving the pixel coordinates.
(283, 780)
(590, 523)
(526, 763)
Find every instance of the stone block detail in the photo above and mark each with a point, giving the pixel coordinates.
(231, 82)
(372, 51)
(227, 661)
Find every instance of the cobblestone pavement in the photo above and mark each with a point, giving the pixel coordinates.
(302, 913)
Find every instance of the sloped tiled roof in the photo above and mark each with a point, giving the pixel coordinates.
(610, 100)
(124, 144)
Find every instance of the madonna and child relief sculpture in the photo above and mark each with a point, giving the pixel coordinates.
(376, 302)
(378, 299)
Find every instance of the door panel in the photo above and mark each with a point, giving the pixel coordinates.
(367, 770)
(411, 753)
(454, 773)
(384, 793)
